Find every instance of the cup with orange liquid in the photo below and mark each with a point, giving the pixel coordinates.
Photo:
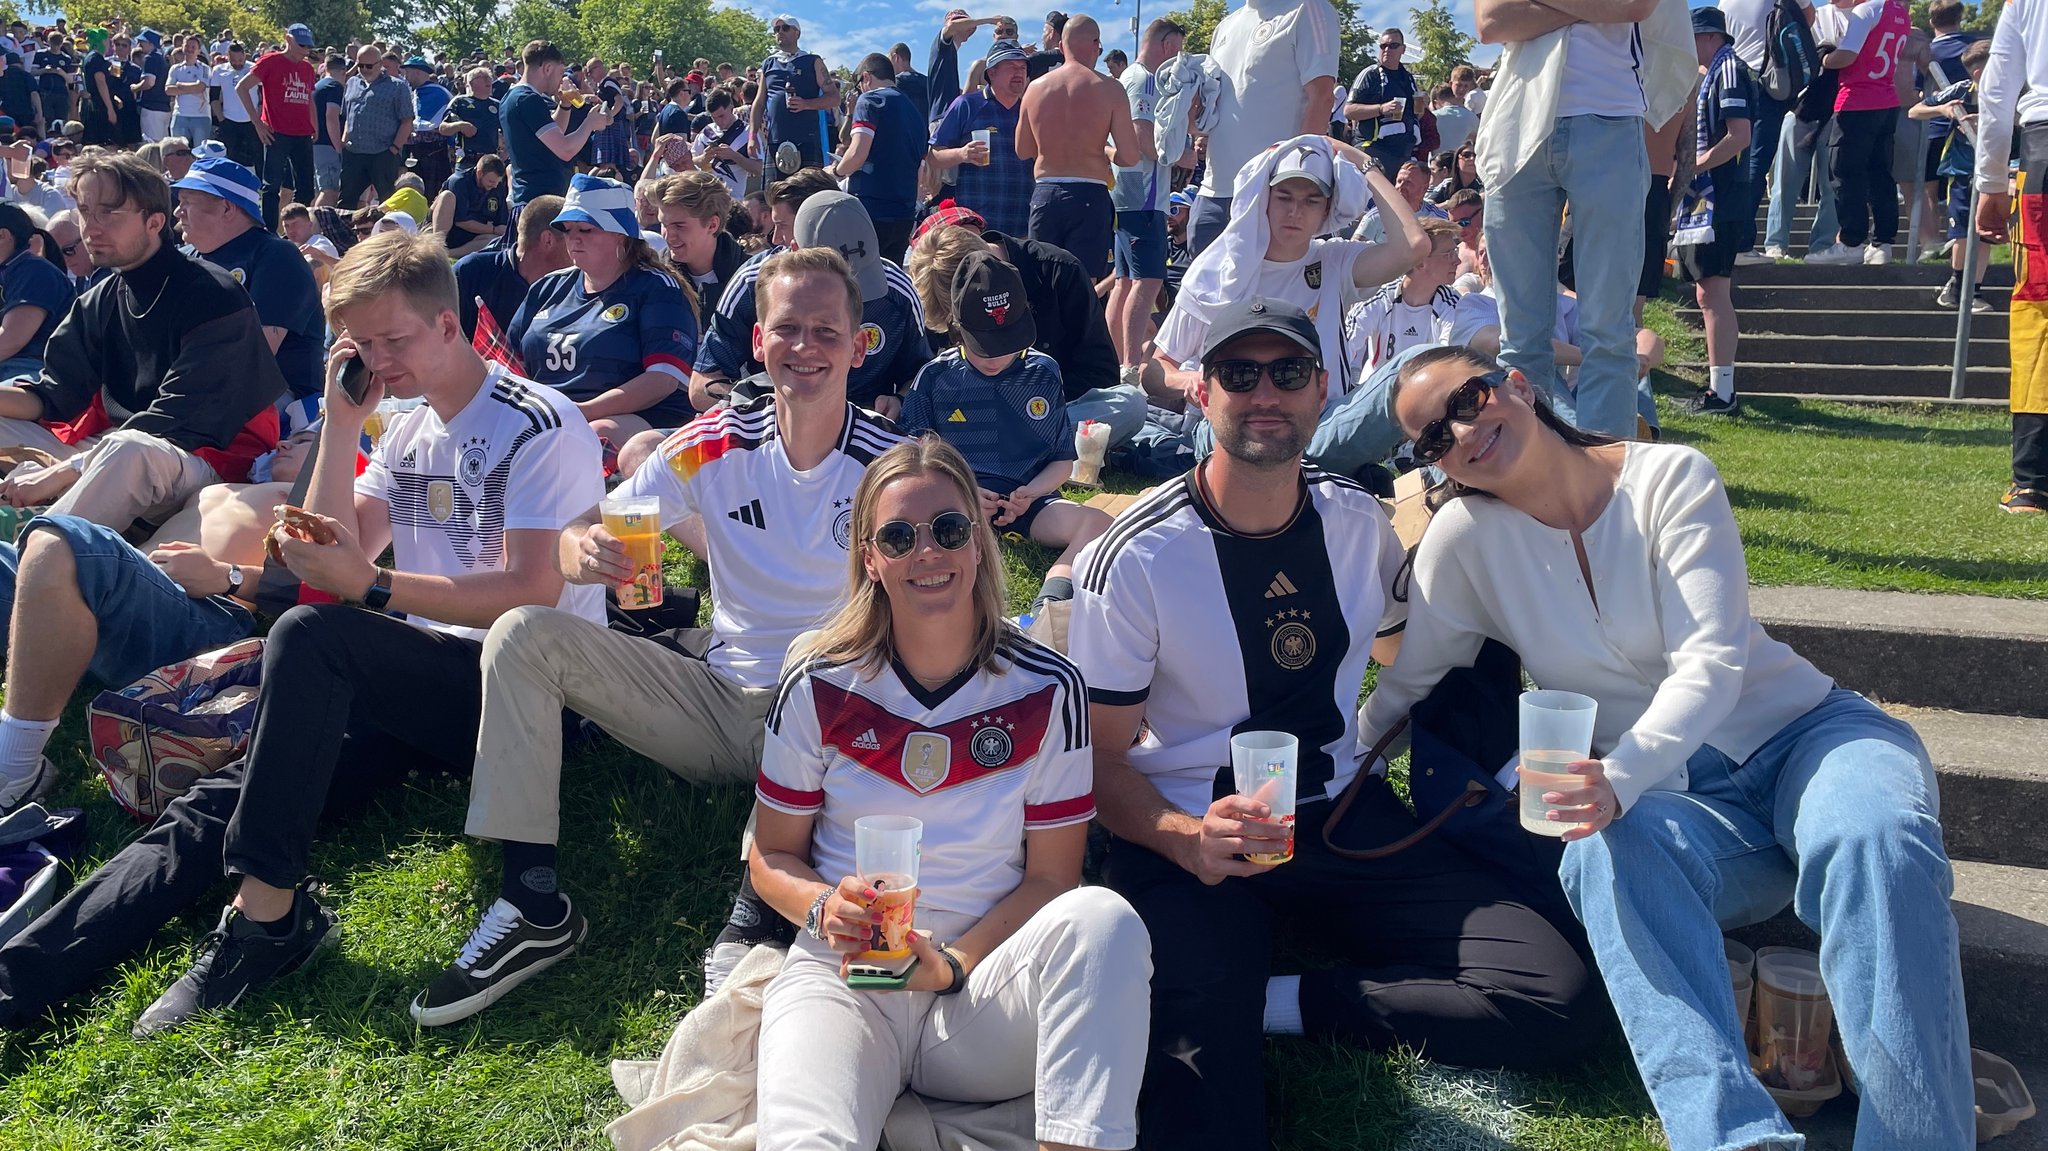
(1557, 731)
(636, 521)
(886, 849)
(1263, 763)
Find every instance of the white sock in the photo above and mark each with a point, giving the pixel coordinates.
(1283, 1005)
(1722, 381)
(21, 745)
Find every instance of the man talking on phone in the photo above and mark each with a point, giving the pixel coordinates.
(469, 491)
(1246, 596)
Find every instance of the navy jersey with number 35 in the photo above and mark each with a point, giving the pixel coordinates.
(586, 345)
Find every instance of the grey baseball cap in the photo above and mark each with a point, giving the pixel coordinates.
(837, 220)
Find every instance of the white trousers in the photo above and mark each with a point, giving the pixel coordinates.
(1060, 1010)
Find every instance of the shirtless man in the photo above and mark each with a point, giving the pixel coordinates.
(1067, 115)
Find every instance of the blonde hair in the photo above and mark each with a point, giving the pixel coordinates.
(861, 632)
(394, 262)
(1437, 230)
(934, 259)
(811, 261)
(701, 194)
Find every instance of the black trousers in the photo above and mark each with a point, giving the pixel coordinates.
(244, 146)
(2030, 450)
(351, 702)
(1866, 195)
(287, 158)
(361, 170)
(1445, 958)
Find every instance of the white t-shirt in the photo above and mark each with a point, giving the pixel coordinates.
(518, 456)
(777, 537)
(1480, 309)
(981, 761)
(1454, 126)
(225, 77)
(1475, 101)
(1265, 62)
(1144, 186)
(190, 104)
(1384, 326)
(1319, 283)
(1163, 602)
(1746, 24)
(1603, 71)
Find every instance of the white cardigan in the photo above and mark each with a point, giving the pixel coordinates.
(1671, 653)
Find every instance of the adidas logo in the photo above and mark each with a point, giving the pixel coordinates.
(1411, 330)
(958, 417)
(750, 514)
(866, 741)
(1281, 586)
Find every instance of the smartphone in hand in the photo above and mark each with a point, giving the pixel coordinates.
(355, 379)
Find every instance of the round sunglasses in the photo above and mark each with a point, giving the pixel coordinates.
(898, 538)
(1465, 404)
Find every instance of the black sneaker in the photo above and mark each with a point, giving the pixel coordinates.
(2024, 501)
(238, 956)
(503, 952)
(1706, 403)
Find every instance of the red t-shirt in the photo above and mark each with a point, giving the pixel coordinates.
(287, 93)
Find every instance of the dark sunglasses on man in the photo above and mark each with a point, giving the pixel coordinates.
(1289, 374)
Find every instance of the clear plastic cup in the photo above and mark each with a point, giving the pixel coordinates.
(1794, 1020)
(1264, 763)
(1091, 445)
(636, 521)
(1557, 731)
(1739, 956)
(886, 849)
(986, 138)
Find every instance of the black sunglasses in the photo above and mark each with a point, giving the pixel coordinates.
(1465, 403)
(1465, 221)
(71, 249)
(180, 152)
(1290, 374)
(898, 538)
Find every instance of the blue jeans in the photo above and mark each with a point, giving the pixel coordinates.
(17, 366)
(197, 130)
(1121, 406)
(145, 619)
(1801, 147)
(1836, 814)
(1768, 121)
(1598, 164)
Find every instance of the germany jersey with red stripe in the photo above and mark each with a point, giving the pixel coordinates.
(981, 760)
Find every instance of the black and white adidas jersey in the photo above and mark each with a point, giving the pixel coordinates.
(518, 456)
(1217, 633)
(778, 538)
(1378, 329)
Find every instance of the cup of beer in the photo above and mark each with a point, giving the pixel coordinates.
(1263, 763)
(1794, 1020)
(636, 521)
(886, 849)
(1557, 731)
(986, 138)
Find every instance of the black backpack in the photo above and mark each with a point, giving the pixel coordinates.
(1791, 57)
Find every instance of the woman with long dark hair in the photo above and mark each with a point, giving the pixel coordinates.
(918, 699)
(1729, 776)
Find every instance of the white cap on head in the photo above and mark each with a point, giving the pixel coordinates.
(1304, 163)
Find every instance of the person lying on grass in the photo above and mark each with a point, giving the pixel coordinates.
(917, 699)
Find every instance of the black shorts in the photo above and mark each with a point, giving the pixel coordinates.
(1716, 257)
(1075, 215)
(1019, 530)
(1656, 236)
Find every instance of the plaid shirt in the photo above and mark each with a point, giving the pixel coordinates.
(375, 112)
(1001, 192)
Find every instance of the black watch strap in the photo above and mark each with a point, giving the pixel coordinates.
(378, 598)
(959, 983)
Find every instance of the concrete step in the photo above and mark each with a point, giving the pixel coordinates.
(1866, 382)
(1929, 322)
(1818, 292)
(1933, 276)
(1928, 350)
(1833, 1127)
(1994, 783)
(2002, 921)
(1959, 653)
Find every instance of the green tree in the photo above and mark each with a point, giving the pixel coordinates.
(458, 27)
(1199, 18)
(209, 16)
(630, 30)
(334, 22)
(1357, 44)
(543, 20)
(1981, 18)
(1442, 46)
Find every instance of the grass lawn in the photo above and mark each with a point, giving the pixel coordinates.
(1825, 494)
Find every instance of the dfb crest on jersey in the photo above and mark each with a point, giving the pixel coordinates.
(990, 746)
(842, 524)
(1314, 275)
(927, 759)
(473, 455)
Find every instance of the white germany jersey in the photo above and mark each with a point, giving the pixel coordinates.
(1378, 329)
(518, 456)
(777, 537)
(1215, 633)
(981, 761)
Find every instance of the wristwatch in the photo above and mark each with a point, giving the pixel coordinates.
(814, 920)
(379, 595)
(234, 579)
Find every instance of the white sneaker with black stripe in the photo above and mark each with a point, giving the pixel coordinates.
(22, 792)
(503, 952)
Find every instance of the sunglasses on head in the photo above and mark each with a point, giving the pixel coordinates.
(1290, 374)
(898, 538)
(1466, 401)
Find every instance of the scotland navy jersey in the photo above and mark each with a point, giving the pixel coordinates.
(892, 328)
(1008, 426)
(783, 77)
(586, 345)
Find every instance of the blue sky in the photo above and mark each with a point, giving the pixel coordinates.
(844, 30)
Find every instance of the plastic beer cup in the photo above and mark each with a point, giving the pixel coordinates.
(1264, 763)
(1794, 1020)
(986, 138)
(1557, 731)
(636, 521)
(885, 855)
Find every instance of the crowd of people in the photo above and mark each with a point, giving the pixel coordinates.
(844, 332)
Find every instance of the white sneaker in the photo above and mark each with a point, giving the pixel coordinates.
(1774, 253)
(1877, 255)
(24, 791)
(719, 963)
(1751, 259)
(1980, 306)
(1947, 296)
(1836, 253)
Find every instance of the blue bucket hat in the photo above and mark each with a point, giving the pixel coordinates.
(601, 203)
(220, 176)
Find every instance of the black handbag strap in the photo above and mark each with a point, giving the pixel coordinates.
(1474, 794)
